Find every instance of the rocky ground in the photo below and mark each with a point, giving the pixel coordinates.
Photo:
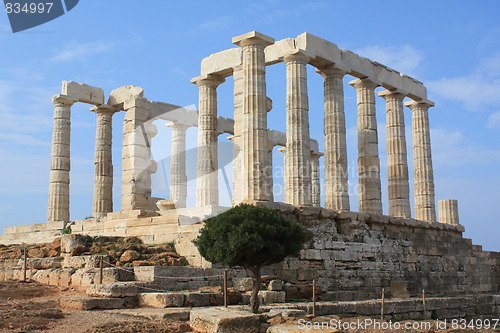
(123, 251)
(31, 307)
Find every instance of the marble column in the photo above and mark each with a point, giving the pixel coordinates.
(178, 176)
(315, 179)
(369, 190)
(425, 207)
(336, 170)
(103, 160)
(298, 152)
(253, 132)
(58, 207)
(397, 164)
(137, 165)
(207, 181)
(237, 169)
(448, 211)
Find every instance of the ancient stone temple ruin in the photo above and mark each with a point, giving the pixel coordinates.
(354, 254)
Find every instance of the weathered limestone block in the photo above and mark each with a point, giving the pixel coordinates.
(219, 320)
(69, 242)
(275, 285)
(119, 96)
(121, 289)
(270, 297)
(161, 300)
(92, 303)
(83, 92)
(243, 284)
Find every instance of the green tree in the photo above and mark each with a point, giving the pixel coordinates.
(251, 237)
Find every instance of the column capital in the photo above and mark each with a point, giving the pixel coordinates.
(63, 99)
(104, 108)
(420, 104)
(330, 70)
(252, 38)
(316, 154)
(392, 94)
(363, 83)
(282, 149)
(298, 56)
(178, 126)
(208, 80)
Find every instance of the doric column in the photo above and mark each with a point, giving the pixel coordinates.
(336, 171)
(178, 177)
(298, 152)
(58, 207)
(448, 211)
(397, 165)
(369, 191)
(137, 165)
(315, 181)
(425, 207)
(207, 181)
(237, 170)
(253, 134)
(103, 160)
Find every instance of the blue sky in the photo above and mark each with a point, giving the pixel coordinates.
(453, 47)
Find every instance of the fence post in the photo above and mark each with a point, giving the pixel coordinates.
(314, 298)
(224, 292)
(382, 310)
(24, 264)
(101, 266)
(423, 302)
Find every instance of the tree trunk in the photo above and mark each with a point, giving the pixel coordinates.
(257, 283)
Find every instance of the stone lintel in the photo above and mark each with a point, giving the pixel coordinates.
(414, 103)
(316, 154)
(83, 92)
(118, 96)
(330, 69)
(208, 79)
(252, 37)
(63, 99)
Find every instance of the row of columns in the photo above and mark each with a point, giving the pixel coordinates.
(250, 138)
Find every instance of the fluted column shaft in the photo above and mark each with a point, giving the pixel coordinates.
(178, 177)
(448, 211)
(298, 152)
(315, 179)
(369, 190)
(253, 132)
(425, 207)
(60, 163)
(207, 181)
(103, 160)
(397, 164)
(336, 171)
(237, 170)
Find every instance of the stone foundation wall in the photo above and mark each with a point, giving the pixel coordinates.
(355, 255)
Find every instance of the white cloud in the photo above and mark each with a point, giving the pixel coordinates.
(494, 120)
(218, 23)
(478, 91)
(74, 50)
(452, 148)
(405, 59)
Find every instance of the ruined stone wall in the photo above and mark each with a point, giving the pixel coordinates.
(355, 255)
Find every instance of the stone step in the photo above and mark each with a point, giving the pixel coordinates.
(91, 303)
(34, 237)
(155, 314)
(188, 299)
